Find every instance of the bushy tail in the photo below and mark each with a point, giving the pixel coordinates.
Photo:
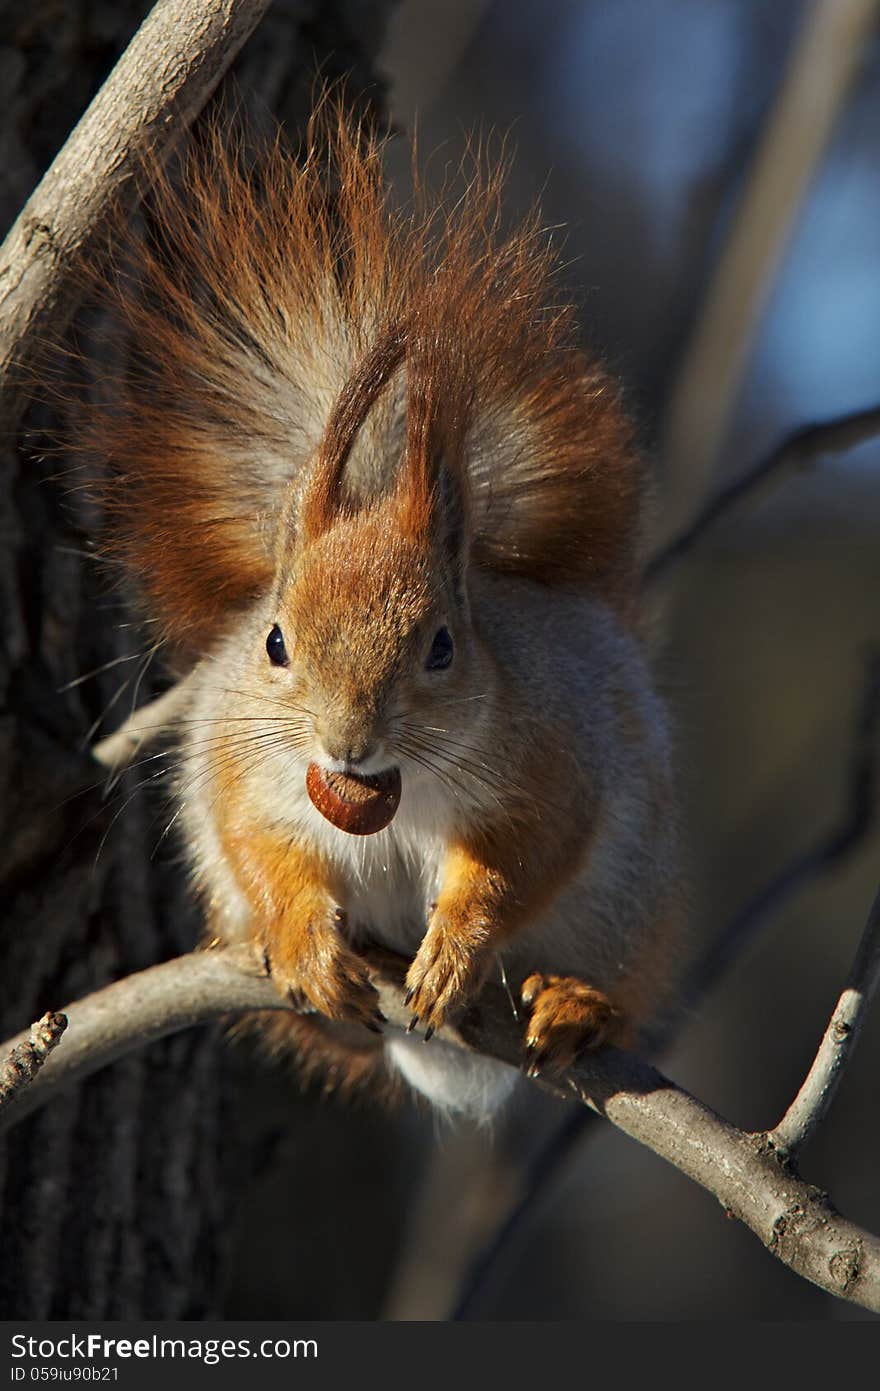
(335, 1058)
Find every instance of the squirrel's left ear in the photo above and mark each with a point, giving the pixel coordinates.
(432, 494)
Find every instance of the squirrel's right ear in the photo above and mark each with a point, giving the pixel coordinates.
(433, 507)
(432, 486)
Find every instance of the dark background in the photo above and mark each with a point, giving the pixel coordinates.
(635, 123)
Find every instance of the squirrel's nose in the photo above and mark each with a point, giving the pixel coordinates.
(355, 755)
(347, 747)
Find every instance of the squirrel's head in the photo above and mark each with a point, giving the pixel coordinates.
(371, 640)
(372, 635)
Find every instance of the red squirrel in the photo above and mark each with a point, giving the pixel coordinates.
(387, 515)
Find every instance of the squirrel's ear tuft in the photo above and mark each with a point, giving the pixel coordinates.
(433, 483)
(434, 510)
(325, 497)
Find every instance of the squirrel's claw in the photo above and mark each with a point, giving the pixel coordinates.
(566, 1016)
(322, 973)
(442, 976)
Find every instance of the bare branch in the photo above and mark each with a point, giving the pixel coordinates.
(820, 1085)
(25, 1058)
(745, 1172)
(801, 450)
(159, 85)
(824, 61)
(857, 817)
(135, 1011)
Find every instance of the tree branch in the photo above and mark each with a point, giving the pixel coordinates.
(104, 1026)
(825, 58)
(857, 817)
(25, 1058)
(745, 1172)
(820, 1085)
(800, 450)
(159, 85)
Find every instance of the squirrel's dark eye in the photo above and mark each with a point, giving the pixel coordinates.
(275, 647)
(440, 655)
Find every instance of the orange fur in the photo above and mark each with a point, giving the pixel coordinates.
(490, 889)
(365, 427)
(296, 921)
(565, 1017)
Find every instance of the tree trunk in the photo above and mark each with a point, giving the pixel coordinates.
(115, 1200)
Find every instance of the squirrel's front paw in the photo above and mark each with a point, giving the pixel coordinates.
(317, 968)
(565, 1017)
(444, 973)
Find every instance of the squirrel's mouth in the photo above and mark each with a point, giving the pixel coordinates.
(359, 804)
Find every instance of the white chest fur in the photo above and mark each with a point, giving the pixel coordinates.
(385, 882)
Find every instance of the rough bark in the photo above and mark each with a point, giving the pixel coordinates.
(114, 1204)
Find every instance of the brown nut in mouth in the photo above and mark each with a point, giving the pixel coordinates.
(359, 805)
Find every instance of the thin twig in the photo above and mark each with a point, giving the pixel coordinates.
(801, 450)
(811, 1104)
(824, 61)
(830, 850)
(795, 1221)
(159, 85)
(24, 1059)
